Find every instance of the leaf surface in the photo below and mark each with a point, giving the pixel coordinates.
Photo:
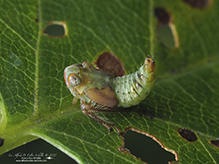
(35, 102)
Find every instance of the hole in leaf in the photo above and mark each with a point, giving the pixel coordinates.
(1, 142)
(166, 30)
(215, 143)
(146, 147)
(187, 134)
(55, 29)
(166, 35)
(110, 63)
(200, 4)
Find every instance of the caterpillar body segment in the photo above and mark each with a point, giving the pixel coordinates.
(131, 89)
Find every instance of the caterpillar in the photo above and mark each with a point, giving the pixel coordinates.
(133, 88)
(100, 91)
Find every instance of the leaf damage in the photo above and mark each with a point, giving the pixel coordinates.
(215, 143)
(166, 30)
(187, 134)
(199, 4)
(55, 29)
(108, 62)
(141, 155)
(1, 142)
(36, 20)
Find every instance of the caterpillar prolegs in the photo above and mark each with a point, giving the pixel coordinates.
(100, 91)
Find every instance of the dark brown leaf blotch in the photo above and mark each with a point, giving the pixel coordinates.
(166, 30)
(187, 134)
(1, 142)
(110, 63)
(162, 16)
(36, 20)
(215, 143)
(199, 4)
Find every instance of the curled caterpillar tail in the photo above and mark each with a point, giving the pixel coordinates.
(131, 89)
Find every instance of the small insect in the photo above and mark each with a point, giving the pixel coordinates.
(101, 91)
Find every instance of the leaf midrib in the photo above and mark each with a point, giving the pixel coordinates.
(36, 105)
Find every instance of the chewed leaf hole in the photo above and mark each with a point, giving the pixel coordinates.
(166, 36)
(187, 134)
(55, 29)
(199, 4)
(146, 147)
(215, 143)
(108, 62)
(1, 142)
(166, 30)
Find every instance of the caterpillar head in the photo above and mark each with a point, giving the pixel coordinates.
(72, 75)
(149, 65)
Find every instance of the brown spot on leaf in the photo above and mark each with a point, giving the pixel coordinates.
(55, 29)
(166, 30)
(135, 139)
(215, 143)
(110, 63)
(162, 16)
(36, 20)
(187, 134)
(199, 4)
(1, 142)
(211, 121)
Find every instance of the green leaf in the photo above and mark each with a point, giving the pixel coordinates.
(34, 101)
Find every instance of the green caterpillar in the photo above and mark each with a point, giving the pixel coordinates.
(100, 91)
(133, 88)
